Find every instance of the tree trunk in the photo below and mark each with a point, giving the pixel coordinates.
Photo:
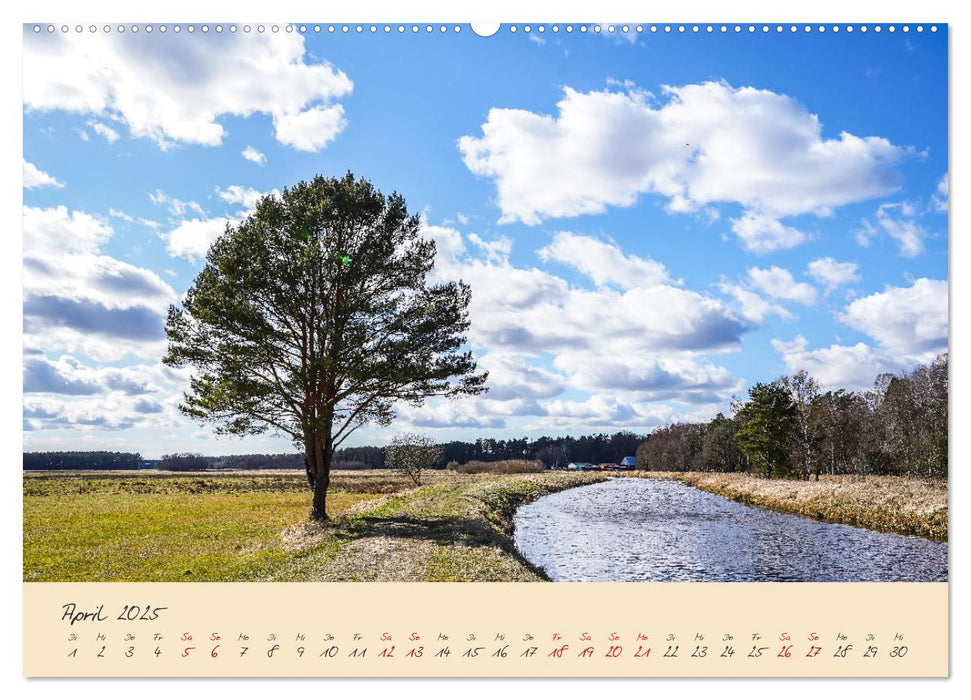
(318, 511)
(321, 451)
(308, 464)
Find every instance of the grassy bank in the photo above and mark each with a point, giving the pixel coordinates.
(252, 526)
(903, 505)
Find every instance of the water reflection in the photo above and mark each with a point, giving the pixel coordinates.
(659, 530)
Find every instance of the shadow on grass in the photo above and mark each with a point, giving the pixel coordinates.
(447, 531)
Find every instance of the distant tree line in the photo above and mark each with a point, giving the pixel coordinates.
(550, 451)
(57, 461)
(185, 462)
(790, 428)
(191, 461)
(258, 461)
(370, 457)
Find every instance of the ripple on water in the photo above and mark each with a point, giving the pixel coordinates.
(659, 530)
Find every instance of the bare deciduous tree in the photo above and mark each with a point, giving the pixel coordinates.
(412, 454)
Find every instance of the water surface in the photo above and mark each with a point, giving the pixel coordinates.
(631, 529)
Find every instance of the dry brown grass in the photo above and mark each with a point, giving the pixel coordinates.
(372, 481)
(506, 466)
(908, 506)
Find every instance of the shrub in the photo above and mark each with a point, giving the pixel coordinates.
(411, 454)
(506, 466)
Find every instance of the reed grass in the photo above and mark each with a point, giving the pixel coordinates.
(904, 505)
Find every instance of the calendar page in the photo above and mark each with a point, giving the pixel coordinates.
(547, 349)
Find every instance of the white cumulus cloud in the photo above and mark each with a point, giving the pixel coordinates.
(779, 283)
(78, 299)
(703, 144)
(939, 198)
(175, 88)
(899, 221)
(237, 194)
(838, 366)
(752, 307)
(602, 262)
(669, 377)
(109, 134)
(495, 250)
(908, 325)
(175, 206)
(604, 412)
(639, 339)
(512, 376)
(192, 237)
(448, 414)
(764, 234)
(254, 156)
(311, 129)
(35, 177)
(832, 273)
(909, 321)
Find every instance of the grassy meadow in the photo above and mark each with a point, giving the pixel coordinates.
(253, 526)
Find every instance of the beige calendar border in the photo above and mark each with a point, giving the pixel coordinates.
(918, 611)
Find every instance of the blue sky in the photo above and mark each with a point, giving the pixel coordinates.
(649, 223)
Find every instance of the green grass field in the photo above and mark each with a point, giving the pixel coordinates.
(253, 526)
